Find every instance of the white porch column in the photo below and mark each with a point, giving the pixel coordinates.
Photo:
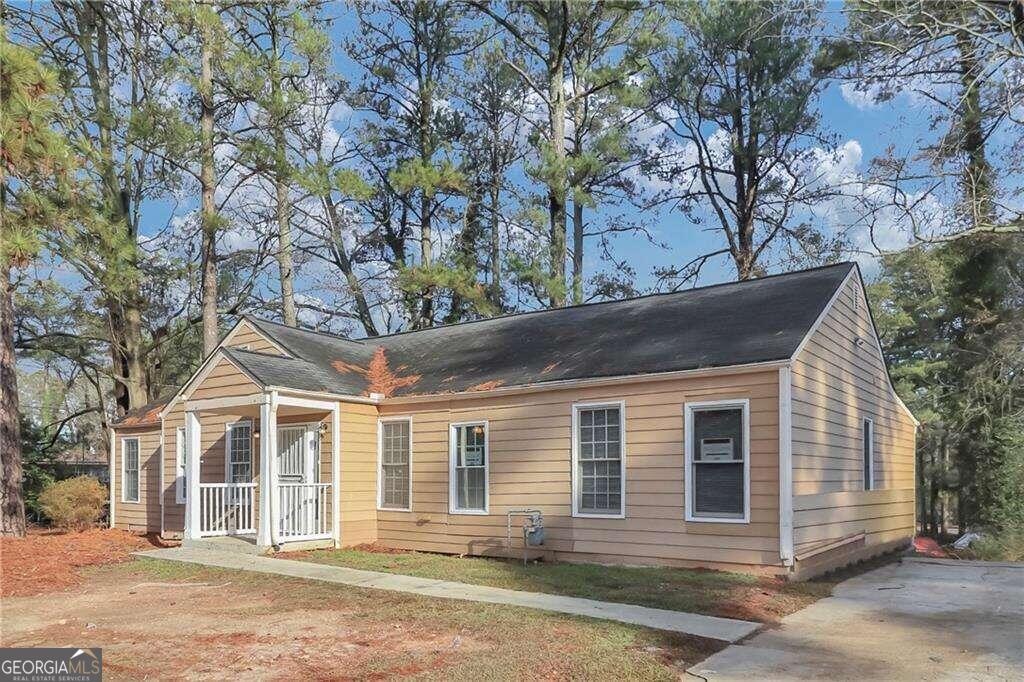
(267, 534)
(336, 475)
(193, 457)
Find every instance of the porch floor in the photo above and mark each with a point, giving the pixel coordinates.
(712, 627)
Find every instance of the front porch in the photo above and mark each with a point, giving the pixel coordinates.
(268, 470)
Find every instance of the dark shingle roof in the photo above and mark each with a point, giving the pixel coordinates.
(728, 324)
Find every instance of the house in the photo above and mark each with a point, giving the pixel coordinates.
(744, 426)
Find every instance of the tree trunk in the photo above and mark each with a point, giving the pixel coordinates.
(577, 253)
(284, 254)
(344, 263)
(977, 177)
(284, 232)
(122, 297)
(426, 315)
(556, 182)
(211, 332)
(12, 505)
(495, 244)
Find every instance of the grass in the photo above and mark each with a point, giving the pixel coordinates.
(373, 634)
(1005, 545)
(717, 593)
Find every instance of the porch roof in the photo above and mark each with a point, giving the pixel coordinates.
(730, 324)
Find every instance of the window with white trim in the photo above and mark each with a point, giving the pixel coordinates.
(599, 469)
(717, 461)
(395, 455)
(469, 462)
(868, 453)
(181, 466)
(239, 453)
(130, 470)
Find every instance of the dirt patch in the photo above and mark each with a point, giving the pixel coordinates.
(160, 620)
(48, 561)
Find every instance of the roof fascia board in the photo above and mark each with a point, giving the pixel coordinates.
(590, 382)
(245, 320)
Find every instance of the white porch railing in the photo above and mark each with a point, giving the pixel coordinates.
(303, 511)
(227, 509)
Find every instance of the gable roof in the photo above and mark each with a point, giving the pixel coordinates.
(737, 323)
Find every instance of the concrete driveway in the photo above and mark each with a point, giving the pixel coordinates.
(920, 619)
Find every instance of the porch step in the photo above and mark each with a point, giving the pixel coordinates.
(236, 544)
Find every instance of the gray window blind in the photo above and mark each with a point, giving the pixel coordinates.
(717, 468)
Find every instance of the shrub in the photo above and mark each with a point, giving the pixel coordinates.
(1006, 545)
(74, 503)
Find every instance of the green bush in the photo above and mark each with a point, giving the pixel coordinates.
(1006, 545)
(75, 503)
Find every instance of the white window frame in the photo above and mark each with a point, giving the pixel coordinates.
(180, 466)
(576, 408)
(227, 450)
(453, 452)
(380, 463)
(138, 470)
(688, 410)
(868, 435)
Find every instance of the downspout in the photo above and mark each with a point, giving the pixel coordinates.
(110, 464)
(786, 465)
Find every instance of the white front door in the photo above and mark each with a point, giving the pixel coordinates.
(297, 462)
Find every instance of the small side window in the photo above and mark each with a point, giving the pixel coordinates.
(181, 466)
(130, 470)
(868, 453)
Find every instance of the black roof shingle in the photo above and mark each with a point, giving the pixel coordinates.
(737, 323)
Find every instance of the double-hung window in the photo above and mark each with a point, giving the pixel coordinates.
(468, 474)
(599, 467)
(395, 443)
(868, 453)
(130, 470)
(717, 461)
(238, 467)
(181, 466)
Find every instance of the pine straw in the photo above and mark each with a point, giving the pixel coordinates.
(48, 561)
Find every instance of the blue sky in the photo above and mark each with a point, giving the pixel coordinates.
(864, 130)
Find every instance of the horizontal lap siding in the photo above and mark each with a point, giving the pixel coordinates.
(143, 515)
(836, 384)
(358, 473)
(247, 336)
(530, 466)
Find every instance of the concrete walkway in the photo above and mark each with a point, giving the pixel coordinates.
(725, 629)
(916, 620)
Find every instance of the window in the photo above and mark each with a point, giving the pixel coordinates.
(468, 474)
(238, 465)
(717, 461)
(599, 470)
(130, 470)
(395, 446)
(181, 466)
(868, 454)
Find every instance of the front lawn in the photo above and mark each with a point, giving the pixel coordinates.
(716, 593)
(159, 620)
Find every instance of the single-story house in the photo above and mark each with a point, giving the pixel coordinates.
(744, 426)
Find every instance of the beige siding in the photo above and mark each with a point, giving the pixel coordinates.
(248, 337)
(143, 515)
(530, 442)
(837, 382)
(358, 474)
(223, 380)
